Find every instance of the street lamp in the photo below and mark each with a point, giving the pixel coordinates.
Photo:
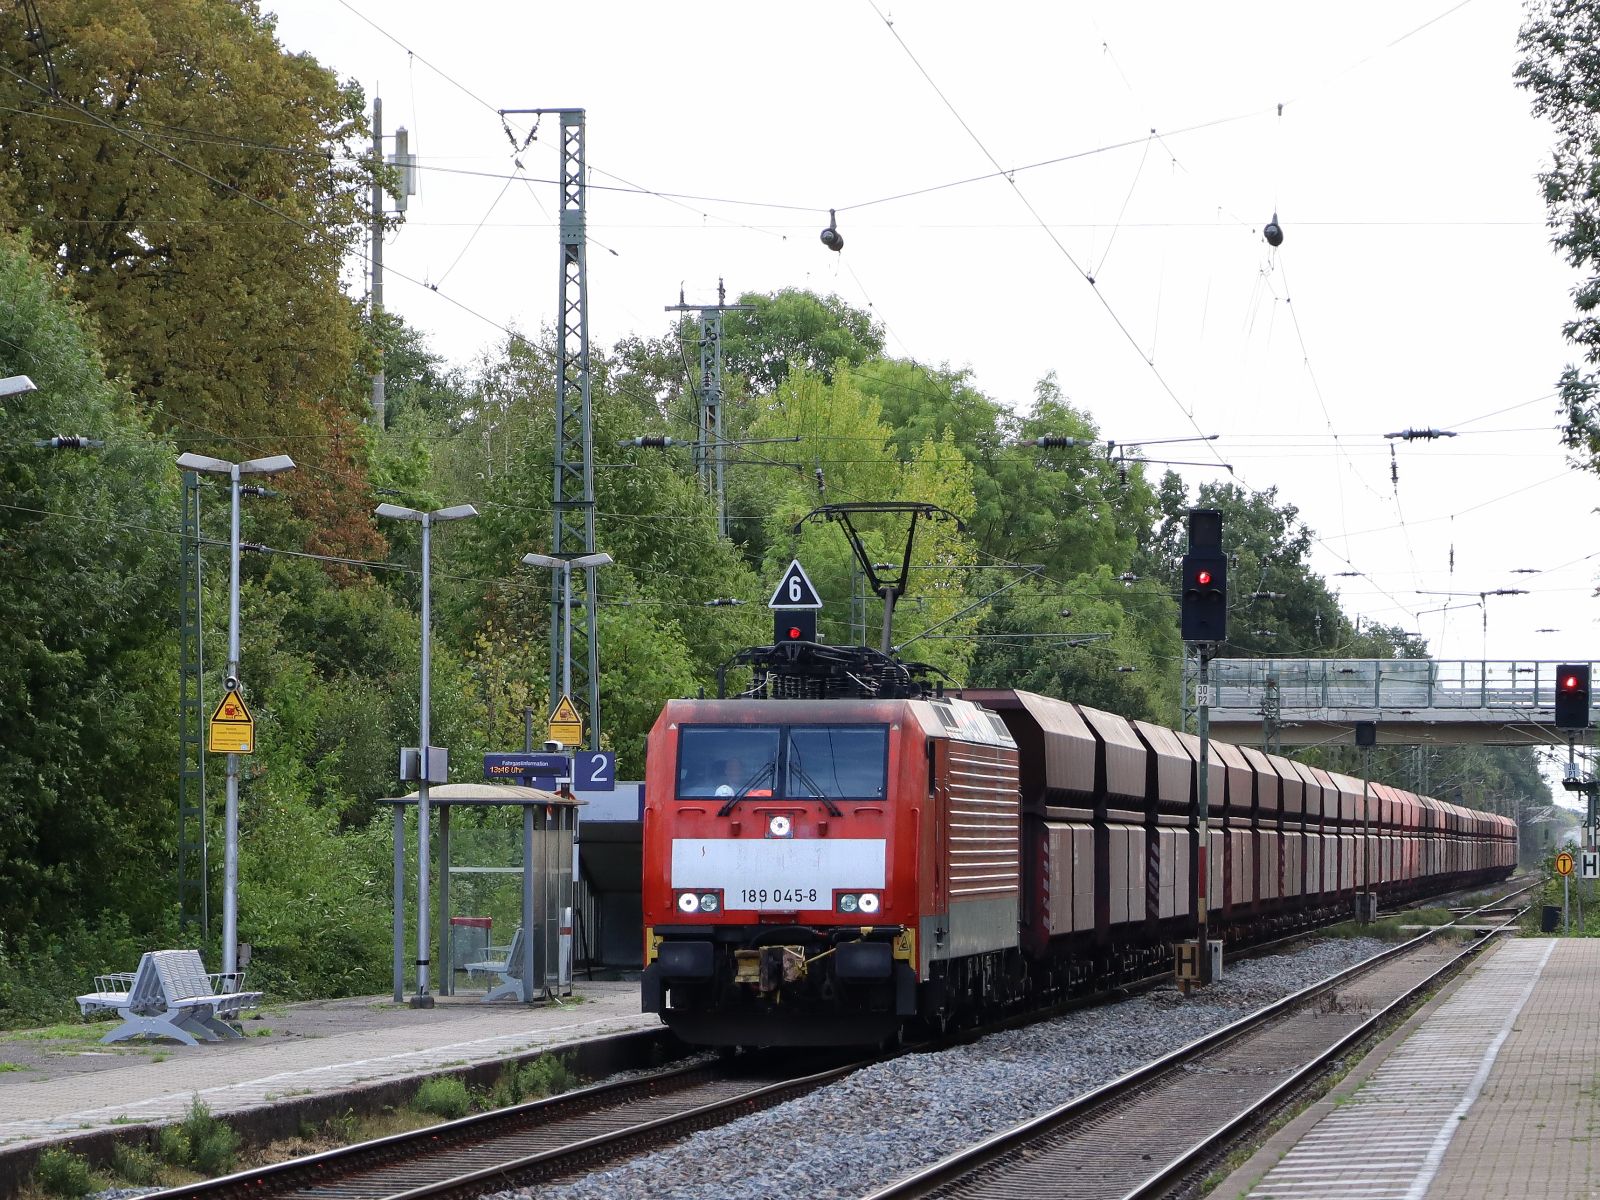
(565, 565)
(230, 820)
(16, 385)
(457, 512)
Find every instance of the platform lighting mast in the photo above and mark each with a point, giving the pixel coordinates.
(573, 499)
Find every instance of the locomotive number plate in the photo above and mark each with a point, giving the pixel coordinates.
(794, 897)
(778, 875)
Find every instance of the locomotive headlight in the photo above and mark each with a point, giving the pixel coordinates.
(780, 826)
(708, 902)
(688, 902)
(849, 903)
(869, 902)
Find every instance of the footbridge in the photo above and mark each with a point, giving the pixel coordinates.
(1303, 702)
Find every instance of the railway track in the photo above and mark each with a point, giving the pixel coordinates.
(527, 1143)
(1144, 1134)
(597, 1126)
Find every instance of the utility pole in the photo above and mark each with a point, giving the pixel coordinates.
(708, 455)
(573, 500)
(378, 382)
(1271, 717)
(408, 187)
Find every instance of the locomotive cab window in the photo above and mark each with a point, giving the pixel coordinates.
(716, 761)
(801, 762)
(837, 762)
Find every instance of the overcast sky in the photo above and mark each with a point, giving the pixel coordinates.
(1415, 285)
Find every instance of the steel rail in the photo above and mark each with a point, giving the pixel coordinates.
(1011, 1141)
(335, 1170)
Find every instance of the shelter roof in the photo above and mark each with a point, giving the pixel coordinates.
(485, 794)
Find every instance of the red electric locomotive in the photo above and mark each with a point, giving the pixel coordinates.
(796, 853)
(822, 870)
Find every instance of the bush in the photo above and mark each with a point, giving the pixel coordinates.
(41, 970)
(546, 1075)
(134, 1164)
(445, 1096)
(201, 1142)
(212, 1143)
(215, 1151)
(63, 1173)
(172, 1145)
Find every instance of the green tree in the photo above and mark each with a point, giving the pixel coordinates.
(87, 653)
(1277, 605)
(793, 327)
(1560, 69)
(190, 182)
(824, 414)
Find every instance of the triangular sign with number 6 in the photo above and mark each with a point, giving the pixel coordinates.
(795, 590)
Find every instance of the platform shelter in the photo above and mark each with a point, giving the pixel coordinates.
(545, 866)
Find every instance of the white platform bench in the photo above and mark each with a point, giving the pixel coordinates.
(169, 995)
(509, 969)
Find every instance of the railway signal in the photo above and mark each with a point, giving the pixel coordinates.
(794, 625)
(1203, 609)
(1203, 622)
(1572, 696)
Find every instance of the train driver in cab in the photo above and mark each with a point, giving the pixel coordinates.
(735, 777)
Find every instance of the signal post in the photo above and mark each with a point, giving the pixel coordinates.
(1203, 623)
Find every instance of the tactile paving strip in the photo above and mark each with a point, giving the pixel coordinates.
(1387, 1141)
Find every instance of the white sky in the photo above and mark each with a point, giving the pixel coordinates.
(1416, 285)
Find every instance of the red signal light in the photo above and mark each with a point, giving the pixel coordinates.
(1203, 578)
(1569, 683)
(794, 633)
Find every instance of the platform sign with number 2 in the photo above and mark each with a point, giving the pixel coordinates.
(596, 771)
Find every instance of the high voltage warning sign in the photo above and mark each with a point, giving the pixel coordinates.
(233, 729)
(566, 726)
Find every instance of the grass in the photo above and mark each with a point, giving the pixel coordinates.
(5, 1066)
(1387, 929)
(49, 1033)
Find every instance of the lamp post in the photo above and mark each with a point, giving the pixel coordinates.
(458, 512)
(230, 820)
(564, 567)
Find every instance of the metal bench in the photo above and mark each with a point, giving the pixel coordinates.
(169, 995)
(509, 969)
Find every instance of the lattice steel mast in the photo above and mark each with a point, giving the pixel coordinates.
(708, 451)
(573, 497)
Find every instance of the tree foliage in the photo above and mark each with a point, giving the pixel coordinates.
(189, 181)
(87, 698)
(795, 328)
(1561, 71)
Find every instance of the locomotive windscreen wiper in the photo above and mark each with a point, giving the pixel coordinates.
(762, 776)
(794, 765)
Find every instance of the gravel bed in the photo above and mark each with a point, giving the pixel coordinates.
(887, 1120)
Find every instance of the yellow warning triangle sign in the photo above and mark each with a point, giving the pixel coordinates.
(232, 710)
(566, 713)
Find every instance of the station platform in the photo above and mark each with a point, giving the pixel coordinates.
(1489, 1090)
(65, 1084)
